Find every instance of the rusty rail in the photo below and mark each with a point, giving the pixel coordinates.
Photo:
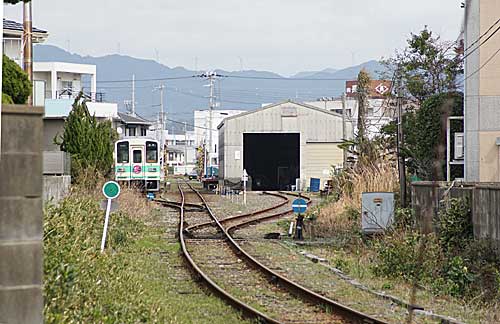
(246, 309)
(348, 313)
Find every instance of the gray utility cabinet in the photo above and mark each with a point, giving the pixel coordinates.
(377, 211)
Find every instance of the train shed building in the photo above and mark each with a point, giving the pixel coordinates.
(280, 145)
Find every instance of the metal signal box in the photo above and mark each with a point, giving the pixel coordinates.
(377, 212)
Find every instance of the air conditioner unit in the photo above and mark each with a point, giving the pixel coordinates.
(459, 152)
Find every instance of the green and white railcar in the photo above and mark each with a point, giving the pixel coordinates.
(137, 162)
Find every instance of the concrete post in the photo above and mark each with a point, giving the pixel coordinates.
(53, 84)
(21, 229)
(93, 90)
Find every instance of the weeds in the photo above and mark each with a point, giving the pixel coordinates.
(343, 215)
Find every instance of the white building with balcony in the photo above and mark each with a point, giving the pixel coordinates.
(64, 80)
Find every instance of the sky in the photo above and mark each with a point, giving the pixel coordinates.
(282, 36)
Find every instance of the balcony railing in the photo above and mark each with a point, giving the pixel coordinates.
(70, 94)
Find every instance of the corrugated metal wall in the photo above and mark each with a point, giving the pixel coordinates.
(316, 126)
(319, 159)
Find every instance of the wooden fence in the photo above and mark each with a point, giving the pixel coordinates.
(429, 197)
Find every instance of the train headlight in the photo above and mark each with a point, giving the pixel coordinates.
(120, 170)
(152, 169)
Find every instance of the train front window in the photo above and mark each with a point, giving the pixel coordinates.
(137, 156)
(122, 155)
(151, 152)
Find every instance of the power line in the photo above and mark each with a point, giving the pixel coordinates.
(152, 79)
(481, 44)
(481, 67)
(484, 34)
(283, 79)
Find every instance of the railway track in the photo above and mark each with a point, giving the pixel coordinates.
(278, 299)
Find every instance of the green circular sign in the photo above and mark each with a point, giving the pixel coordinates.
(111, 189)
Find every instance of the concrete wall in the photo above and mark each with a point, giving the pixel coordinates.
(316, 127)
(482, 94)
(427, 197)
(55, 188)
(21, 228)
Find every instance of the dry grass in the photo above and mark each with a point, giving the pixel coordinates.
(343, 215)
(131, 201)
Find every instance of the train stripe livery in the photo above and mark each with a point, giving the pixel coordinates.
(137, 161)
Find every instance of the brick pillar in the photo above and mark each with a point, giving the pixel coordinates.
(21, 230)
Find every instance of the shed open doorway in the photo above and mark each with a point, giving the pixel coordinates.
(272, 160)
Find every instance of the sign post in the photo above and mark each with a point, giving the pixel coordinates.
(299, 207)
(111, 190)
(244, 178)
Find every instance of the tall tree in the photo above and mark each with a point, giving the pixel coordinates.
(362, 93)
(427, 66)
(89, 141)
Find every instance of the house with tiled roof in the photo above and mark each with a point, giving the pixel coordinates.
(13, 39)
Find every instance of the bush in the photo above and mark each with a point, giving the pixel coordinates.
(455, 226)
(451, 262)
(408, 255)
(455, 279)
(6, 99)
(15, 82)
(404, 218)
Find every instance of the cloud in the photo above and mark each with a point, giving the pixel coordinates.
(277, 35)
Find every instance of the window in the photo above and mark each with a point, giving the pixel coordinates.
(215, 150)
(122, 154)
(137, 154)
(151, 152)
(143, 131)
(131, 131)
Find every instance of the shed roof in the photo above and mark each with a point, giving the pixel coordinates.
(279, 104)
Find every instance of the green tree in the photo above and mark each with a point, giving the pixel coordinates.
(362, 93)
(366, 150)
(425, 134)
(89, 141)
(427, 66)
(15, 81)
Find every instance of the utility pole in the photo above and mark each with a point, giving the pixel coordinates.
(211, 77)
(185, 146)
(400, 144)
(28, 44)
(133, 95)
(344, 127)
(160, 88)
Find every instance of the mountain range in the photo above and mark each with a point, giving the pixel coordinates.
(186, 92)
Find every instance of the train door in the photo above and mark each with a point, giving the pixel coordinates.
(137, 166)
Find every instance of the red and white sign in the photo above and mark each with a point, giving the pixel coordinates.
(137, 169)
(379, 89)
